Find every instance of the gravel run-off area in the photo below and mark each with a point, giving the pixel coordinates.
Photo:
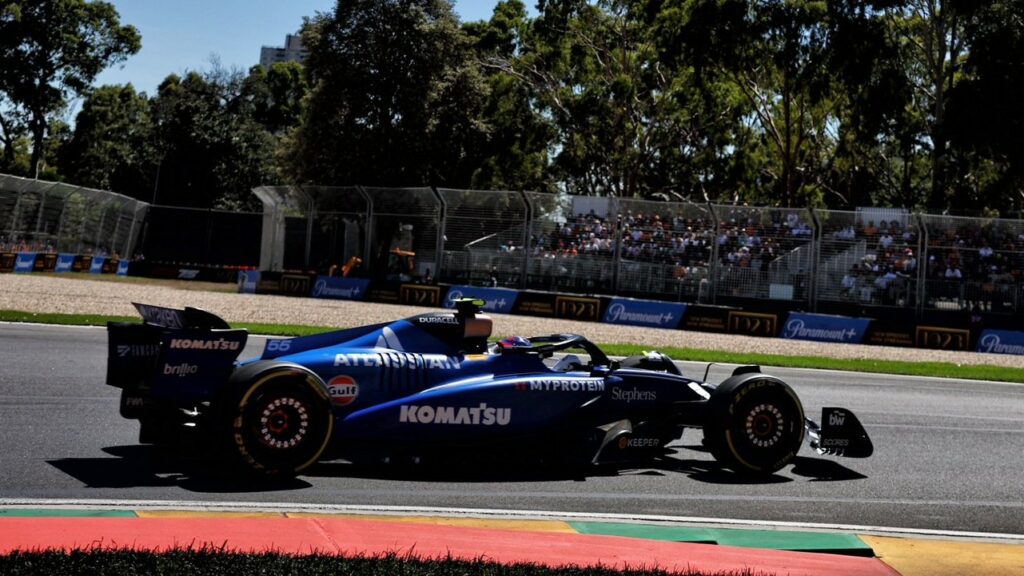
(73, 295)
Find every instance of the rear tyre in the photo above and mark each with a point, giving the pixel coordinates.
(275, 420)
(755, 424)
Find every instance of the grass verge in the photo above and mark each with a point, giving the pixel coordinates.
(930, 369)
(217, 563)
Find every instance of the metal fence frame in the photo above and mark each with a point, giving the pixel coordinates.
(56, 217)
(704, 253)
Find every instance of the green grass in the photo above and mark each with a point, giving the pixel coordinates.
(219, 563)
(930, 369)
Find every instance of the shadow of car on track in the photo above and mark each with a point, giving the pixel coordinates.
(152, 466)
(141, 466)
(499, 469)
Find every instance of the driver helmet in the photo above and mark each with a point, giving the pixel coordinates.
(515, 342)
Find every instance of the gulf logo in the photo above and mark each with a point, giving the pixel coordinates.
(343, 390)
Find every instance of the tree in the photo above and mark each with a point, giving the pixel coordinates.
(211, 151)
(394, 97)
(51, 50)
(112, 146)
(514, 153)
(274, 96)
(930, 34)
(985, 119)
(12, 127)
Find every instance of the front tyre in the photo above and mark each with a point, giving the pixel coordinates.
(275, 420)
(755, 424)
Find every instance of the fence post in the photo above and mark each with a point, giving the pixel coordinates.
(14, 217)
(368, 239)
(310, 217)
(129, 244)
(812, 286)
(714, 264)
(439, 241)
(617, 245)
(922, 264)
(42, 208)
(528, 232)
(527, 223)
(99, 229)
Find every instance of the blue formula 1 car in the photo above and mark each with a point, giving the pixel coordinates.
(434, 383)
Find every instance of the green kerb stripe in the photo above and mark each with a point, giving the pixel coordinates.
(55, 513)
(846, 544)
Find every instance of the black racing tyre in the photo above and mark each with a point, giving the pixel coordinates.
(275, 419)
(755, 424)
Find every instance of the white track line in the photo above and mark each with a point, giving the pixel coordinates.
(487, 513)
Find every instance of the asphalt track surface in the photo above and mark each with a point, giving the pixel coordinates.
(949, 455)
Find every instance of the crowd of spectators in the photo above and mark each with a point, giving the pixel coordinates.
(746, 237)
(20, 244)
(966, 265)
(23, 245)
(959, 260)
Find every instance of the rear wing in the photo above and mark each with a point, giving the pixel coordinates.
(175, 356)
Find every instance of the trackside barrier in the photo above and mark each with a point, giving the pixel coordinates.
(498, 300)
(821, 328)
(25, 262)
(1001, 342)
(65, 263)
(649, 313)
(247, 281)
(340, 288)
(39, 216)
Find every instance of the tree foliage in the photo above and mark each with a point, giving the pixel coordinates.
(112, 144)
(845, 103)
(51, 50)
(395, 97)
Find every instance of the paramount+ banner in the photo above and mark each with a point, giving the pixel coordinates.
(821, 328)
(65, 263)
(498, 300)
(644, 313)
(339, 288)
(1001, 342)
(25, 262)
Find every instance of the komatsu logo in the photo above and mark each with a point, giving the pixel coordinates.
(196, 344)
(568, 385)
(399, 360)
(482, 415)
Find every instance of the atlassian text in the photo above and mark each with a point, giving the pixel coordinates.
(399, 360)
